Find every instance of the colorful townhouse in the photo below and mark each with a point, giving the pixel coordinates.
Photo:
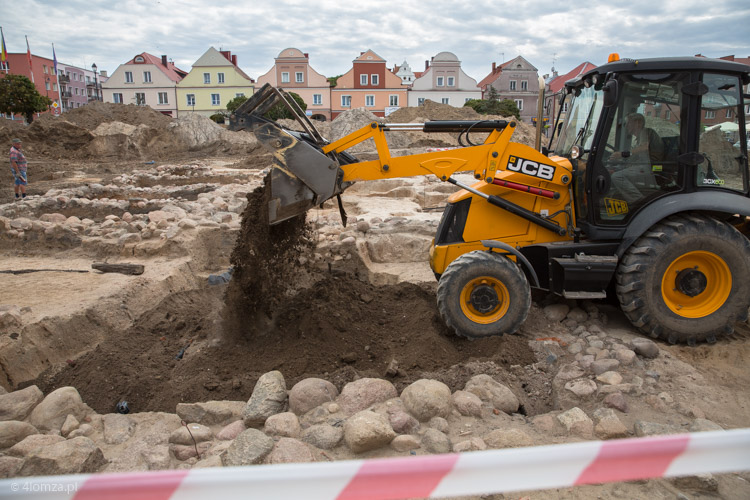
(445, 82)
(73, 90)
(41, 72)
(292, 72)
(369, 84)
(214, 81)
(145, 80)
(555, 89)
(517, 80)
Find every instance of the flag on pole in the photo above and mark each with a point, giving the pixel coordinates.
(54, 58)
(4, 54)
(28, 54)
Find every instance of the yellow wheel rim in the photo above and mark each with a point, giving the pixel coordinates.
(484, 300)
(696, 284)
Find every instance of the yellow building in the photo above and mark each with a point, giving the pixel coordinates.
(214, 81)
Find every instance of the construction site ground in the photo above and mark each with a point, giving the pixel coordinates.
(360, 302)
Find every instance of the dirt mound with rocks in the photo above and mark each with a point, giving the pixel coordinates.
(95, 113)
(432, 110)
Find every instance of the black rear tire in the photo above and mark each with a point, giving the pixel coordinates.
(482, 294)
(686, 280)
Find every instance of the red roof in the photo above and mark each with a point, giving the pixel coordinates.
(494, 74)
(173, 72)
(557, 83)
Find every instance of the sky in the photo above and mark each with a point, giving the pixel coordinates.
(547, 33)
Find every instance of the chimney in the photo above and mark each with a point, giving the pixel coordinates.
(494, 66)
(227, 54)
(307, 56)
(234, 60)
(164, 60)
(426, 65)
(103, 74)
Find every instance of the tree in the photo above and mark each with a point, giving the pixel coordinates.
(493, 106)
(281, 111)
(18, 95)
(236, 103)
(333, 80)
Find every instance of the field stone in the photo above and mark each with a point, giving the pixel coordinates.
(73, 456)
(699, 482)
(363, 393)
(55, 408)
(367, 431)
(644, 428)
(472, 444)
(18, 404)
(323, 436)
(439, 423)
(609, 378)
(425, 399)
(578, 315)
(309, 393)
(467, 403)
(269, 398)
(211, 412)
(401, 421)
(83, 430)
(507, 438)
(283, 424)
(405, 442)
(118, 428)
(231, 431)
(289, 450)
(9, 467)
(577, 422)
(33, 442)
(556, 312)
(13, 431)
(184, 452)
(71, 423)
(249, 448)
(604, 365)
(626, 357)
(582, 387)
(617, 401)
(434, 441)
(190, 434)
(157, 457)
(703, 425)
(608, 425)
(492, 391)
(645, 347)
(569, 371)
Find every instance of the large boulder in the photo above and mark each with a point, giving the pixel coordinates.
(18, 404)
(363, 393)
(249, 448)
(269, 398)
(190, 434)
(73, 456)
(309, 393)
(425, 399)
(32, 443)
(283, 424)
(492, 391)
(211, 412)
(367, 431)
(118, 428)
(289, 450)
(50, 414)
(13, 431)
(323, 436)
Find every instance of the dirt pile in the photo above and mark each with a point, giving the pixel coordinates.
(431, 110)
(95, 113)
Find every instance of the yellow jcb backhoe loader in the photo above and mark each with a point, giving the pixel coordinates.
(645, 196)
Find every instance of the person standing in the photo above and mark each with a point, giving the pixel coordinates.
(18, 169)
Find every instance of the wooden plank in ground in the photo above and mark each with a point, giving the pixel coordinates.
(134, 269)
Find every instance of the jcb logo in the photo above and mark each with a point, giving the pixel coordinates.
(532, 168)
(615, 206)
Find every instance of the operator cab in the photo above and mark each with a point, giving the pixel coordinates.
(638, 132)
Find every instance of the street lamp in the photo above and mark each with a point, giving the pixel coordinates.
(96, 84)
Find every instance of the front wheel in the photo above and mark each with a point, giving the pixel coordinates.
(482, 294)
(686, 280)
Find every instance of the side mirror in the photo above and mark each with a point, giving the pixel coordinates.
(610, 89)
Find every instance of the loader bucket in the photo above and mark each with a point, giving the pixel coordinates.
(303, 176)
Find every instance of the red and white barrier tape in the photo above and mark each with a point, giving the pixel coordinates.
(480, 472)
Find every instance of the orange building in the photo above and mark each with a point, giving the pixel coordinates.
(44, 77)
(369, 85)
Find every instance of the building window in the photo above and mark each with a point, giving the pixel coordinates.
(729, 113)
(76, 90)
(139, 59)
(191, 99)
(445, 100)
(317, 99)
(299, 77)
(667, 114)
(369, 100)
(146, 77)
(115, 97)
(220, 77)
(451, 81)
(440, 81)
(239, 94)
(393, 100)
(710, 114)
(346, 101)
(374, 79)
(519, 103)
(467, 100)
(363, 79)
(565, 107)
(512, 85)
(206, 78)
(284, 77)
(46, 85)
(163, 98)
(524, 85)
(140, 98)
(44, 68)
(420, 101)
(215, 100)
(128, 77)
